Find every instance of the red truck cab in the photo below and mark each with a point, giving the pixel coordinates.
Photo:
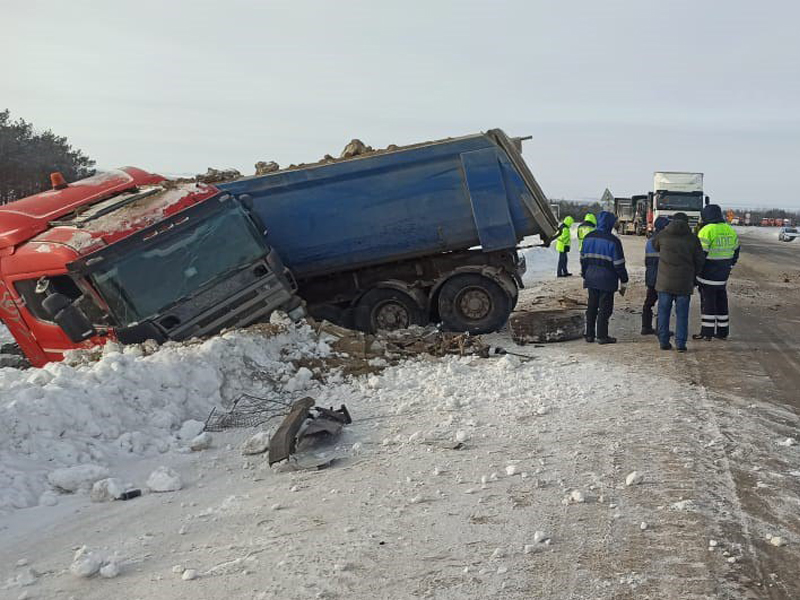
(129, 255)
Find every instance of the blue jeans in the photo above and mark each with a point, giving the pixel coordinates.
(665, 301)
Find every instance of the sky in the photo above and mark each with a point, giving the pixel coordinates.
(610, 91)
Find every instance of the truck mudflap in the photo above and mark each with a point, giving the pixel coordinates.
(537, 204)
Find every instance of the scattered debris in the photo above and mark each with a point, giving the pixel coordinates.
(776, 540)
(201, 442)
(164, 479)
(106, 490)
(109, 570)
(634, 478)
(511, 470)
(258, 443)
(539, 326)
(246, 411)
(575, 497)
(300, 424)
(85, 563)
(789, 441)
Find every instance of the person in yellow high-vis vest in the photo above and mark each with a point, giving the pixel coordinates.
(588, 225)
(563, 237)
(721, 247)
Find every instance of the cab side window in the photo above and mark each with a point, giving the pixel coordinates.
(59, 284)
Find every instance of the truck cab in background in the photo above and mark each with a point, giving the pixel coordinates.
(678, 191)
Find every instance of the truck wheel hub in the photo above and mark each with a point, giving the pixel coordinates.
(390, 316)
(475, 303)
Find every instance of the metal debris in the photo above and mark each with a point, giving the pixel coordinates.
(246, 411)
(302, 425)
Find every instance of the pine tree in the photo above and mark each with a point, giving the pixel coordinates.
(27, 157)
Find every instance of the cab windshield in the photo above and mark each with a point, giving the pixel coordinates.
(144, 282)
(692, 202)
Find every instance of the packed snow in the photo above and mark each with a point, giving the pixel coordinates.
(66, 426)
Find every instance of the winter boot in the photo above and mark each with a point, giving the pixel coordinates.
(647, 322)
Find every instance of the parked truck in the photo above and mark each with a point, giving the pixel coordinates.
(397, 237)
(624, 211)
(677, 191)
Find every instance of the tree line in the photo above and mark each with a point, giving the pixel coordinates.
(28, 156)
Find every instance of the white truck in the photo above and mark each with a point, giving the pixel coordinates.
(676, 191)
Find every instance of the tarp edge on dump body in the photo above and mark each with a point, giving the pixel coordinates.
(540, 208)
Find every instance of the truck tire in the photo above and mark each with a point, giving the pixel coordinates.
(474, 303)
(387, 309)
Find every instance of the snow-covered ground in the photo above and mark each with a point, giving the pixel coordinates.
(535, 501)
(57, 421)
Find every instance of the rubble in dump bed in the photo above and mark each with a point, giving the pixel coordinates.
(264, 167)
(353, 149)
(217, 175)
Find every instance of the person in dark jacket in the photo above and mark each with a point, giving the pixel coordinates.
(721, 247)
(603, 271)
(651, 264)
(680, 261)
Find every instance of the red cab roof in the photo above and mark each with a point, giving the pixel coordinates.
(24, 219)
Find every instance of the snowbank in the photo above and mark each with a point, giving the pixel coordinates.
(129, 403)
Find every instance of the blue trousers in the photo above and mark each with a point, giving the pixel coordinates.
(665, 301)
(562, 262)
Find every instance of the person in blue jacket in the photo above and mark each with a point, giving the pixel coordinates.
(603, 271)
(651, 264)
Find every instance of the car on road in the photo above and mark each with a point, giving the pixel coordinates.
(787, 234)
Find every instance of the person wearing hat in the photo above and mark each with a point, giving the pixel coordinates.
(563, 237)
(680, 261)
(721, 247)
(604, 273)
(651, 266)
(588, 225)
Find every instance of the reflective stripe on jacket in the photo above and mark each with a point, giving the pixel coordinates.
(721, 247)
(651, 264)
(602, 257)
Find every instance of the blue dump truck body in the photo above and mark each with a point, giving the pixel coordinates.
(402, 220)
(438, 197)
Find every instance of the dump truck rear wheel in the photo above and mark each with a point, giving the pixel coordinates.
(387, 309)
(474, 303)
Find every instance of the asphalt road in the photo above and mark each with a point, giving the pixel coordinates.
(747, 394)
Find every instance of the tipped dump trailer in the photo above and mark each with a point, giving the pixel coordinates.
(406, 236)
(394, 238)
